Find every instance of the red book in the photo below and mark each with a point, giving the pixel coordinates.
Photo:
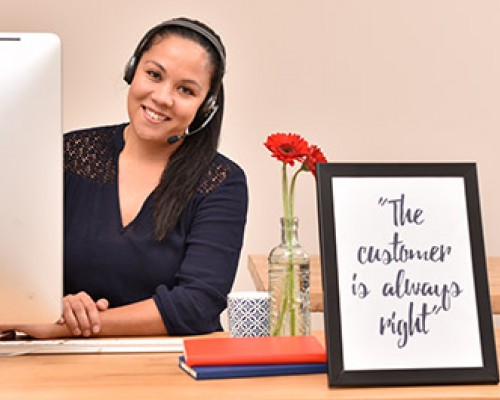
(253, 350)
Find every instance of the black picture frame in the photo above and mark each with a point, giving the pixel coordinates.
(366, 348)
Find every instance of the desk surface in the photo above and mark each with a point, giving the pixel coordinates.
(257, 265)
(157, 376)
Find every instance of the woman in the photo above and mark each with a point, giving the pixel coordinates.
(154, 216)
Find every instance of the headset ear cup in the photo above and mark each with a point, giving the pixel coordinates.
(204, 112)
(130, 70)
(208, 106)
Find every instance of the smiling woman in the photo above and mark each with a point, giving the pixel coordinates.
(169, 86)
(174, 72)
(154, 215)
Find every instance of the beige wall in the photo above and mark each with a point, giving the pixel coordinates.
(364, 79)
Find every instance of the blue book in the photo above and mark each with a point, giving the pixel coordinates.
(249, 370)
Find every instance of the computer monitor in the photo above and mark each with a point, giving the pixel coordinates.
(31, 179)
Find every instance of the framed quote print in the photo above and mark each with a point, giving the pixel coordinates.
(406, 295)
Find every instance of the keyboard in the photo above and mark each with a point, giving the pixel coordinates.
(20, 345)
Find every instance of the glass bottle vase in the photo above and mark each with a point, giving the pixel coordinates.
(289, 284)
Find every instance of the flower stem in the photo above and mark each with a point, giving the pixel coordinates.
(291, 267)
(284, 191)
(291, 195)
(288, 301)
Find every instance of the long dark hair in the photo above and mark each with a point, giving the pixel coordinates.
(189, 163)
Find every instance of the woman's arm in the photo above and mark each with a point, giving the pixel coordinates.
(215, 222)
(84, 317)
(137, 319)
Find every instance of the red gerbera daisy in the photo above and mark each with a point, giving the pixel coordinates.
(287, 147)
(315, 156)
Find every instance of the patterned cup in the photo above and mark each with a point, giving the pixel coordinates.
(248, 313)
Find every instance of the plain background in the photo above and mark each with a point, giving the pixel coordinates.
(366, 80)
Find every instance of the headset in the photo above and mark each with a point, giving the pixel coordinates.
(209, 106)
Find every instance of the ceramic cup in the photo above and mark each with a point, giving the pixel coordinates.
(248, 313)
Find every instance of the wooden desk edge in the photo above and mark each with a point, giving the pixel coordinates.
(493, 270)
(260, 280)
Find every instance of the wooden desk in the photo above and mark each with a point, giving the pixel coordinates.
(157, 376)
(257, 264)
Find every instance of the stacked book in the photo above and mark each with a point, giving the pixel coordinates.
(217, 357)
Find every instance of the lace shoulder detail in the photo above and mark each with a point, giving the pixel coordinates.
(90, 154)
(217, 173)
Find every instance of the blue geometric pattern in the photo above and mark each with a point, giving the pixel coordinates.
(248, 317)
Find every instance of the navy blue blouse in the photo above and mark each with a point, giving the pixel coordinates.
(188, 274)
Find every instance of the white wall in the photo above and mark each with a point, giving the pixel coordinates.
(366, 80)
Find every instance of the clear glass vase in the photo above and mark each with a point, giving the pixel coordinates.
(289, 284)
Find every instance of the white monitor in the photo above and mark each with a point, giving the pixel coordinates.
(31, 179)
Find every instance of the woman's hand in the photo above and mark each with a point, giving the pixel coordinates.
(82, 317)
(38, 331)
(81, 314)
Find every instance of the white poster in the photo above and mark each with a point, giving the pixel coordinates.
(406, 282)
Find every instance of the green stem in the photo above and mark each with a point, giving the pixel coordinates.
(291, 297)
(282, 314)
(291, 266)
(288, 301)
(284, 191)
(291, 195)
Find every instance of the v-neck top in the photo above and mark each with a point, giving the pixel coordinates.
(188, 274)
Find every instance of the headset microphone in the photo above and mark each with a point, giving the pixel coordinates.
(176, 138)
